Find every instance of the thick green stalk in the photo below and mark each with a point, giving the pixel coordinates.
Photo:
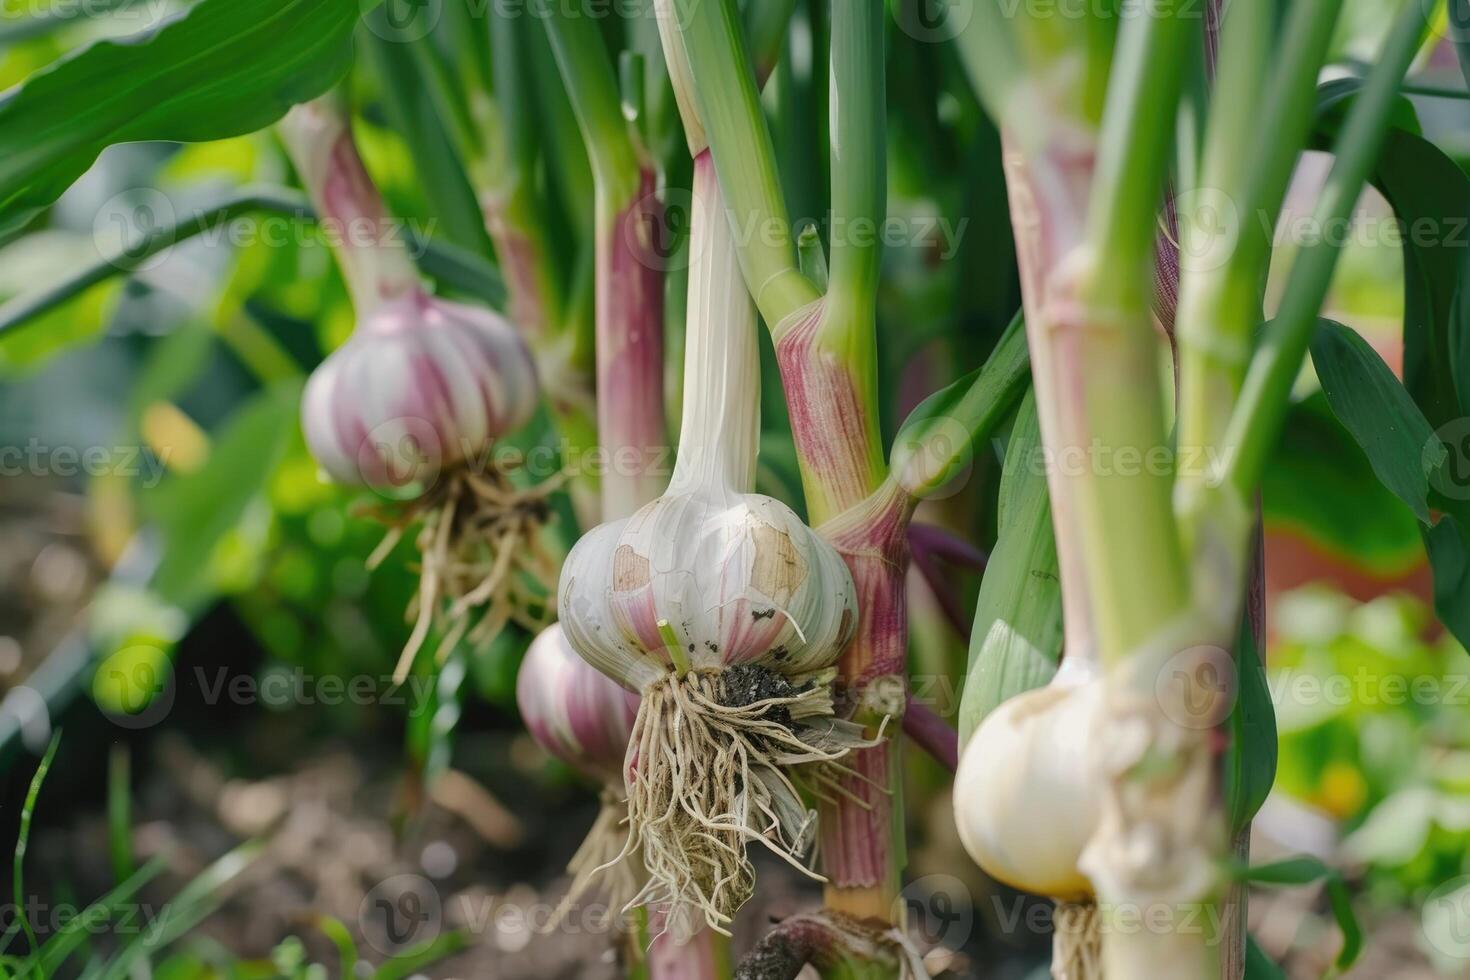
(592, 84)
(1263, 402)
(1112, 394)
(1228, 237)
(859, 179)
(731, 113)
(1214, 339)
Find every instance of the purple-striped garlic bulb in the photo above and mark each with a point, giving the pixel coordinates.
(724, 612)
(412, 404)
(584, 718)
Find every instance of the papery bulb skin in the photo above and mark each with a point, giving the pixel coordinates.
(737, 578)
(725, 613)
(421, 386)
(1027, 793)
(412, 404)
(573, 711)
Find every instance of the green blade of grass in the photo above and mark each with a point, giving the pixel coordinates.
(192, 905)
(23, 839)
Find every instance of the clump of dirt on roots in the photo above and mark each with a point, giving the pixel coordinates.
(710, 770)
(481, 560)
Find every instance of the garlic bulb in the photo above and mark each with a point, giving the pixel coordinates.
(413, 402)
(577, 714)
(422, 384)
(1028, 792)
(724, 611)
(585, 719)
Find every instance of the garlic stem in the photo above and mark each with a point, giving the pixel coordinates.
(720, 429)
(350, 211)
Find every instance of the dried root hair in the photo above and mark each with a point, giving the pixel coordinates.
(708, 773)
(1077, 942)
(597, 874)
(481, 561)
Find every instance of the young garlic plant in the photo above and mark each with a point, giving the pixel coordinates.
(725, 612)
(584, 718)
(412, 404)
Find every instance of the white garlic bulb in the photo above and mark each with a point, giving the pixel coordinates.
(1028, 792)
(422, 384)
(709, 575)
(724, 612)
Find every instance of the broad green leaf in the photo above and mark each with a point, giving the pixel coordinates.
(1017, 637)
(1430, 196)
(1410, 459)
(197, 512)
(222, 69)
(1378, 411)
(1250, 759)
(1448, 544)
(1320, 486)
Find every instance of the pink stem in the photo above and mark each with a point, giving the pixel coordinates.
(830, 420)
(932, 733)
(857, 837)
(350, 211)
(703, 957)
(630, 354)
(928, 545)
